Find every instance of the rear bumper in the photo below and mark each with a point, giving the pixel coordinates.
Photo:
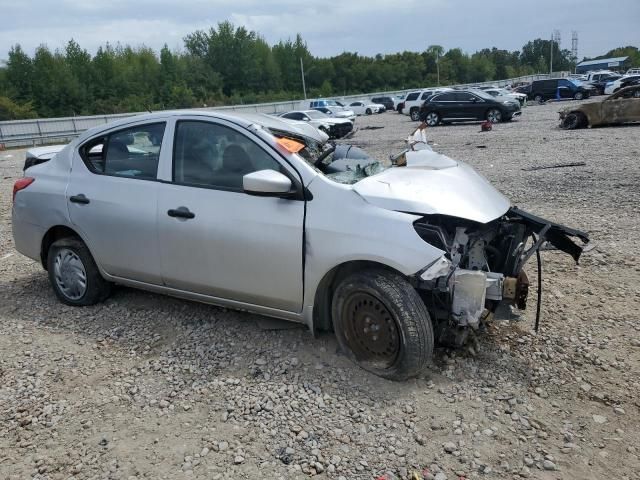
(27, 237)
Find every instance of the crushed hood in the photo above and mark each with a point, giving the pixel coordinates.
(432, 183)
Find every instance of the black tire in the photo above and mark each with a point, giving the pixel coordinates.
(494, 115)
(399, 109)
(538, 98)
(636, 94)
(97, 288)
(368, 111)
(414, 114)
(398, 319)
(578, 96)
(574, 120)
(432, 119)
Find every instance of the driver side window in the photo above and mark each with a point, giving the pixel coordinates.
(206, 154)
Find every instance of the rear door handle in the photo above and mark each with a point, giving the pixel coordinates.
(80, 198)
(181, 212)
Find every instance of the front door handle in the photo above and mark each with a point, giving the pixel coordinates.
(181, 212)
(80, 198)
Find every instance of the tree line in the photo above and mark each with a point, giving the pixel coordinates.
(229, 65)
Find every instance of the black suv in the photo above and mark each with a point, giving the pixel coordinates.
(558, 88)
(386, 101)
(464, 105)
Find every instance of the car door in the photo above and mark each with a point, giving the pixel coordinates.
(566, 89)
(446, 104)
(470, 106)
(112, 199)
(217, 240)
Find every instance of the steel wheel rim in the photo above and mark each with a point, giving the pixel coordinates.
(578, 96)
(371, 331)
(494, 116)
(70, 274)
(432, 119)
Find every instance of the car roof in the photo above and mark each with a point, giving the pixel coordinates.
(241, 119)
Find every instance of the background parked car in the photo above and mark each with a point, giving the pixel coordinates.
(503, 92)
(558, 88)
(465, 105)
(334, 127)
(362, 108)
(615, 85)
(414, 100)
(388, 102)
(601, 83)
(621, 107)
(337, 112)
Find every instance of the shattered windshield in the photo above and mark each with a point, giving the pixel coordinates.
(348, 164)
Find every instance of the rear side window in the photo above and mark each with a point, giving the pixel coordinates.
(207, 154)
(132, 152)
(445, 97)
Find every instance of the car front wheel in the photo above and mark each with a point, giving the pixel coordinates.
(432, 119)
(494, 115)
(382, 324)
(574, 120)
(538, 98)
(578, 96)
(73, 274)
(368, 111)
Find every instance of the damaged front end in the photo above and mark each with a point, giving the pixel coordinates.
(482, 273)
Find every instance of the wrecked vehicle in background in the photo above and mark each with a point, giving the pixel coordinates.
(250, 212)
(621, 107)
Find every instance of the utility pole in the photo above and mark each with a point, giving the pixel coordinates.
(438, 67)
(304, 88)
(555, 38)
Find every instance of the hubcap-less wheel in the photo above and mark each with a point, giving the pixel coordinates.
(371, 331)
(70, 274)
(636, 94)
(432, 119)
(368, 111)
(538, 98)
(494, 115)
(578, 96)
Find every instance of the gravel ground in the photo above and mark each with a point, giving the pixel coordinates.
(146, 386)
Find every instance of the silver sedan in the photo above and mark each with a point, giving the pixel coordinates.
(255, 213)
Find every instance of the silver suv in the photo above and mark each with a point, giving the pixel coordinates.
(250, 212)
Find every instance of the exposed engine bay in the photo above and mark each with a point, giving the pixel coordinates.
(483, 267)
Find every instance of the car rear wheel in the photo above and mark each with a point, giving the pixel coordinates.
(578, 96)
(432, 119)
(414, 113)
(574, 120)
(382, 324)
(636, 94)
(73, 274)
(494, 115)
(368, 111)
(538, 98)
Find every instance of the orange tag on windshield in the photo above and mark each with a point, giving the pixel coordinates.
(291, 145)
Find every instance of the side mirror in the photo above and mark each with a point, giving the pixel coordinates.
(266, 183)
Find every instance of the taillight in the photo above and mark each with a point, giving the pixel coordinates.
(21, 184)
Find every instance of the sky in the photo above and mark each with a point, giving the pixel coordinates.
(329, 27)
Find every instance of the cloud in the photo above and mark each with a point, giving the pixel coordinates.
(329, 27)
